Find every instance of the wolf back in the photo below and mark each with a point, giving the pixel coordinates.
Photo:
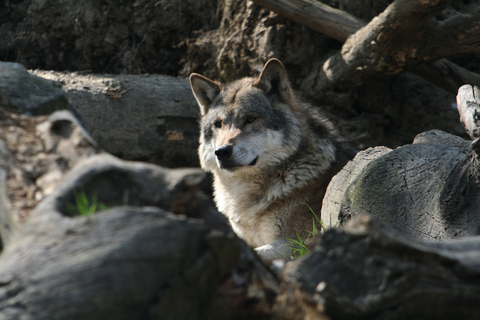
(271, 155)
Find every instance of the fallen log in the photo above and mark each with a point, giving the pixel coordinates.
(376, 47)
(149, 118)
(428, 189)
(367, 270)
(134, 259)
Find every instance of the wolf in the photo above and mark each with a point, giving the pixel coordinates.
(271, 156)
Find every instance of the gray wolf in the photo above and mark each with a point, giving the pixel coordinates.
(270, 155)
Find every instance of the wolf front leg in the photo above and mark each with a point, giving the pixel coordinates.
(278, 249)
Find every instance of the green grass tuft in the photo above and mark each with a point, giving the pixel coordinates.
(300, 245)
(84, 206)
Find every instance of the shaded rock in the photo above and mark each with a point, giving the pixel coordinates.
(29, 94)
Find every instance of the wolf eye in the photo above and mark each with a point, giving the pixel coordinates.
(217, 124)
(251, 119)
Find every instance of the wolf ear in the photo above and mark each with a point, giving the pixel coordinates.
(204, 90)
(274, 79)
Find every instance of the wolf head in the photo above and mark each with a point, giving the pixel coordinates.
(247, 124)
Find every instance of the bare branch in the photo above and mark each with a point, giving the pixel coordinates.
(398, 40)
(447, 75)
(316, 16)
(386, 45)
(459, 34)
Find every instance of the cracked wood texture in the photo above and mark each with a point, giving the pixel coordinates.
(134, 260)
(370, 271)
(401, 38)
(428, 189)
(125, 263)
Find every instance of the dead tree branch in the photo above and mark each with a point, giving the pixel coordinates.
(317, 16)
(389, 43)
(459, 34)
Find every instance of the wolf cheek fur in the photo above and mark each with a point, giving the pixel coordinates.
(269, 154)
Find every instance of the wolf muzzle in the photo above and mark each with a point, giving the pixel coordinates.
(225, 160)
(224, 153)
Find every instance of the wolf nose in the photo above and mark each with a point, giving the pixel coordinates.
(224, 153)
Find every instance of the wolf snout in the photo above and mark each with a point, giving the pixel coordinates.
(224, 153)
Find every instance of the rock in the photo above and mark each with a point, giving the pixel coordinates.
(29, 94)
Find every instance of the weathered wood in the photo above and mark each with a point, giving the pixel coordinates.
(125, 263)
(468, 104)
(316, 16)
(136, 117)
(35, 153)
(28, 94)
(386, 45)
(446, 74)
(340, 25)
(369, 271)
(335, 194)
(428, 189)
(134, 260)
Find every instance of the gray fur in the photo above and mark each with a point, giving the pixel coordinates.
(269, 153)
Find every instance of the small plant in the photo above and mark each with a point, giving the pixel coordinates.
(300, 245)
(83, 205)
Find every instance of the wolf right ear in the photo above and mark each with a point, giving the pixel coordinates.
(274, 79)
(204, 90)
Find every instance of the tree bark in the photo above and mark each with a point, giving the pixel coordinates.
(390, 43)
(135, 259)
(317, 16)
(428, 189)
(369, 271)
(136, 117)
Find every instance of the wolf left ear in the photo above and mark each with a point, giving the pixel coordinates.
(204, 90)
(274, 79)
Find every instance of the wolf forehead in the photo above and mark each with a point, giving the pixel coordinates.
(239, 100)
